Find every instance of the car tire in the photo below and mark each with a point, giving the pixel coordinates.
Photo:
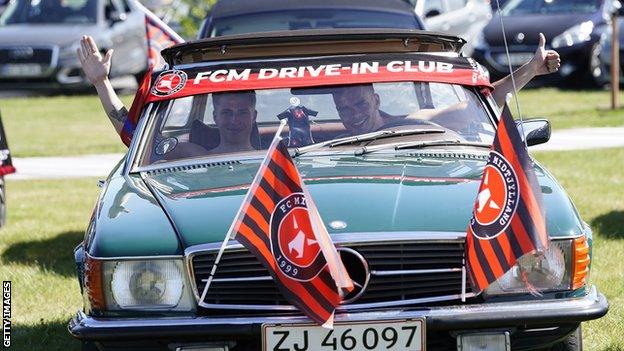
(572, 342)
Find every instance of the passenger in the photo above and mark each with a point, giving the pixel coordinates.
(358, 105)
(358, 108)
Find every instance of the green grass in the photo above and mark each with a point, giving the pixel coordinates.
(571, 108)
(63, 125)
(47, 218)
(77, 125)
(595, 182)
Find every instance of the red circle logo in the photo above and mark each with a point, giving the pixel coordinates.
(296, 238)
(169, 82)
(497, 200)
(491, 198)
(293, 243)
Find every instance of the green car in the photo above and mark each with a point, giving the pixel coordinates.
(390, 130)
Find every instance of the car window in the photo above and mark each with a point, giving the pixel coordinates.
(50, 12)
(244, 121)
(311, 19)
(519, 7)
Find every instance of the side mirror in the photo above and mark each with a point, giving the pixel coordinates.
(536, 131)
(432, 13)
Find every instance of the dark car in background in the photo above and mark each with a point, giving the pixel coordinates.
(38, 41)
(572, 27)
(246, 16)
(603, 69)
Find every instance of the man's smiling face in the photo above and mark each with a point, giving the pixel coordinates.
(358, 108)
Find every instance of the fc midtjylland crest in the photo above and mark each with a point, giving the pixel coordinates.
(497, 200)
(294, 246)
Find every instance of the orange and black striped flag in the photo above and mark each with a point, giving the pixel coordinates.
(278, 222)
(508, 217)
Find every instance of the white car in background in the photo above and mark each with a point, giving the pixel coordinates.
(463, 18)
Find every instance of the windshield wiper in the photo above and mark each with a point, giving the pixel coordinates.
(356, 139)
(419, 145)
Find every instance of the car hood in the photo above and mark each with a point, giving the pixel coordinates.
(368, 194)
(530, 26)
(61, 35)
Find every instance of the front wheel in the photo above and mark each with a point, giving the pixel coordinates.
(572, 342)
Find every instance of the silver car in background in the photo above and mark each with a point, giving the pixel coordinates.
(463, 18)
(38, 41)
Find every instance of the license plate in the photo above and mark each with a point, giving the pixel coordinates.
(21, 70)
(364, 336)
(516, 59)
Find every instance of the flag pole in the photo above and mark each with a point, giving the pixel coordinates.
(231, 233)
(463, 291)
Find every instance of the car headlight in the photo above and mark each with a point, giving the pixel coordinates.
(552, 271)
(146, 285)
(574, 35)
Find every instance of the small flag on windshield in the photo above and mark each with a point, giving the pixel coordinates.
(508, 217)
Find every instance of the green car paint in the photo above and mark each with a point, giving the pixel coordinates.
(432, 192)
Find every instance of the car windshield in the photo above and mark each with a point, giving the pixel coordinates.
(547, 7)
(311, 19)
(245, 121)
(50, 11)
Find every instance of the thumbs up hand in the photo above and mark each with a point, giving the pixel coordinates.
(545, 61)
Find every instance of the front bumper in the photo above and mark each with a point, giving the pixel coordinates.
(517, 314)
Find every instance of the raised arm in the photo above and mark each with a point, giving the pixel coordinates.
(96, 68)
(543, 62)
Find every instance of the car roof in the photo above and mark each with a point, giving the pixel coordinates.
(226, 8)
(315, 42)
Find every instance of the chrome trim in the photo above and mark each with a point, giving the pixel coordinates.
(356, 238)
(415, 272)
(134, 258)
(353, 307)
(356, 284)
(136, 145)
(243, 279)
(82, 322)
(540, 329)
(339, 239)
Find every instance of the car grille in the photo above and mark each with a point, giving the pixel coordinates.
(26, 62)
(26, 54)
(401, 273)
